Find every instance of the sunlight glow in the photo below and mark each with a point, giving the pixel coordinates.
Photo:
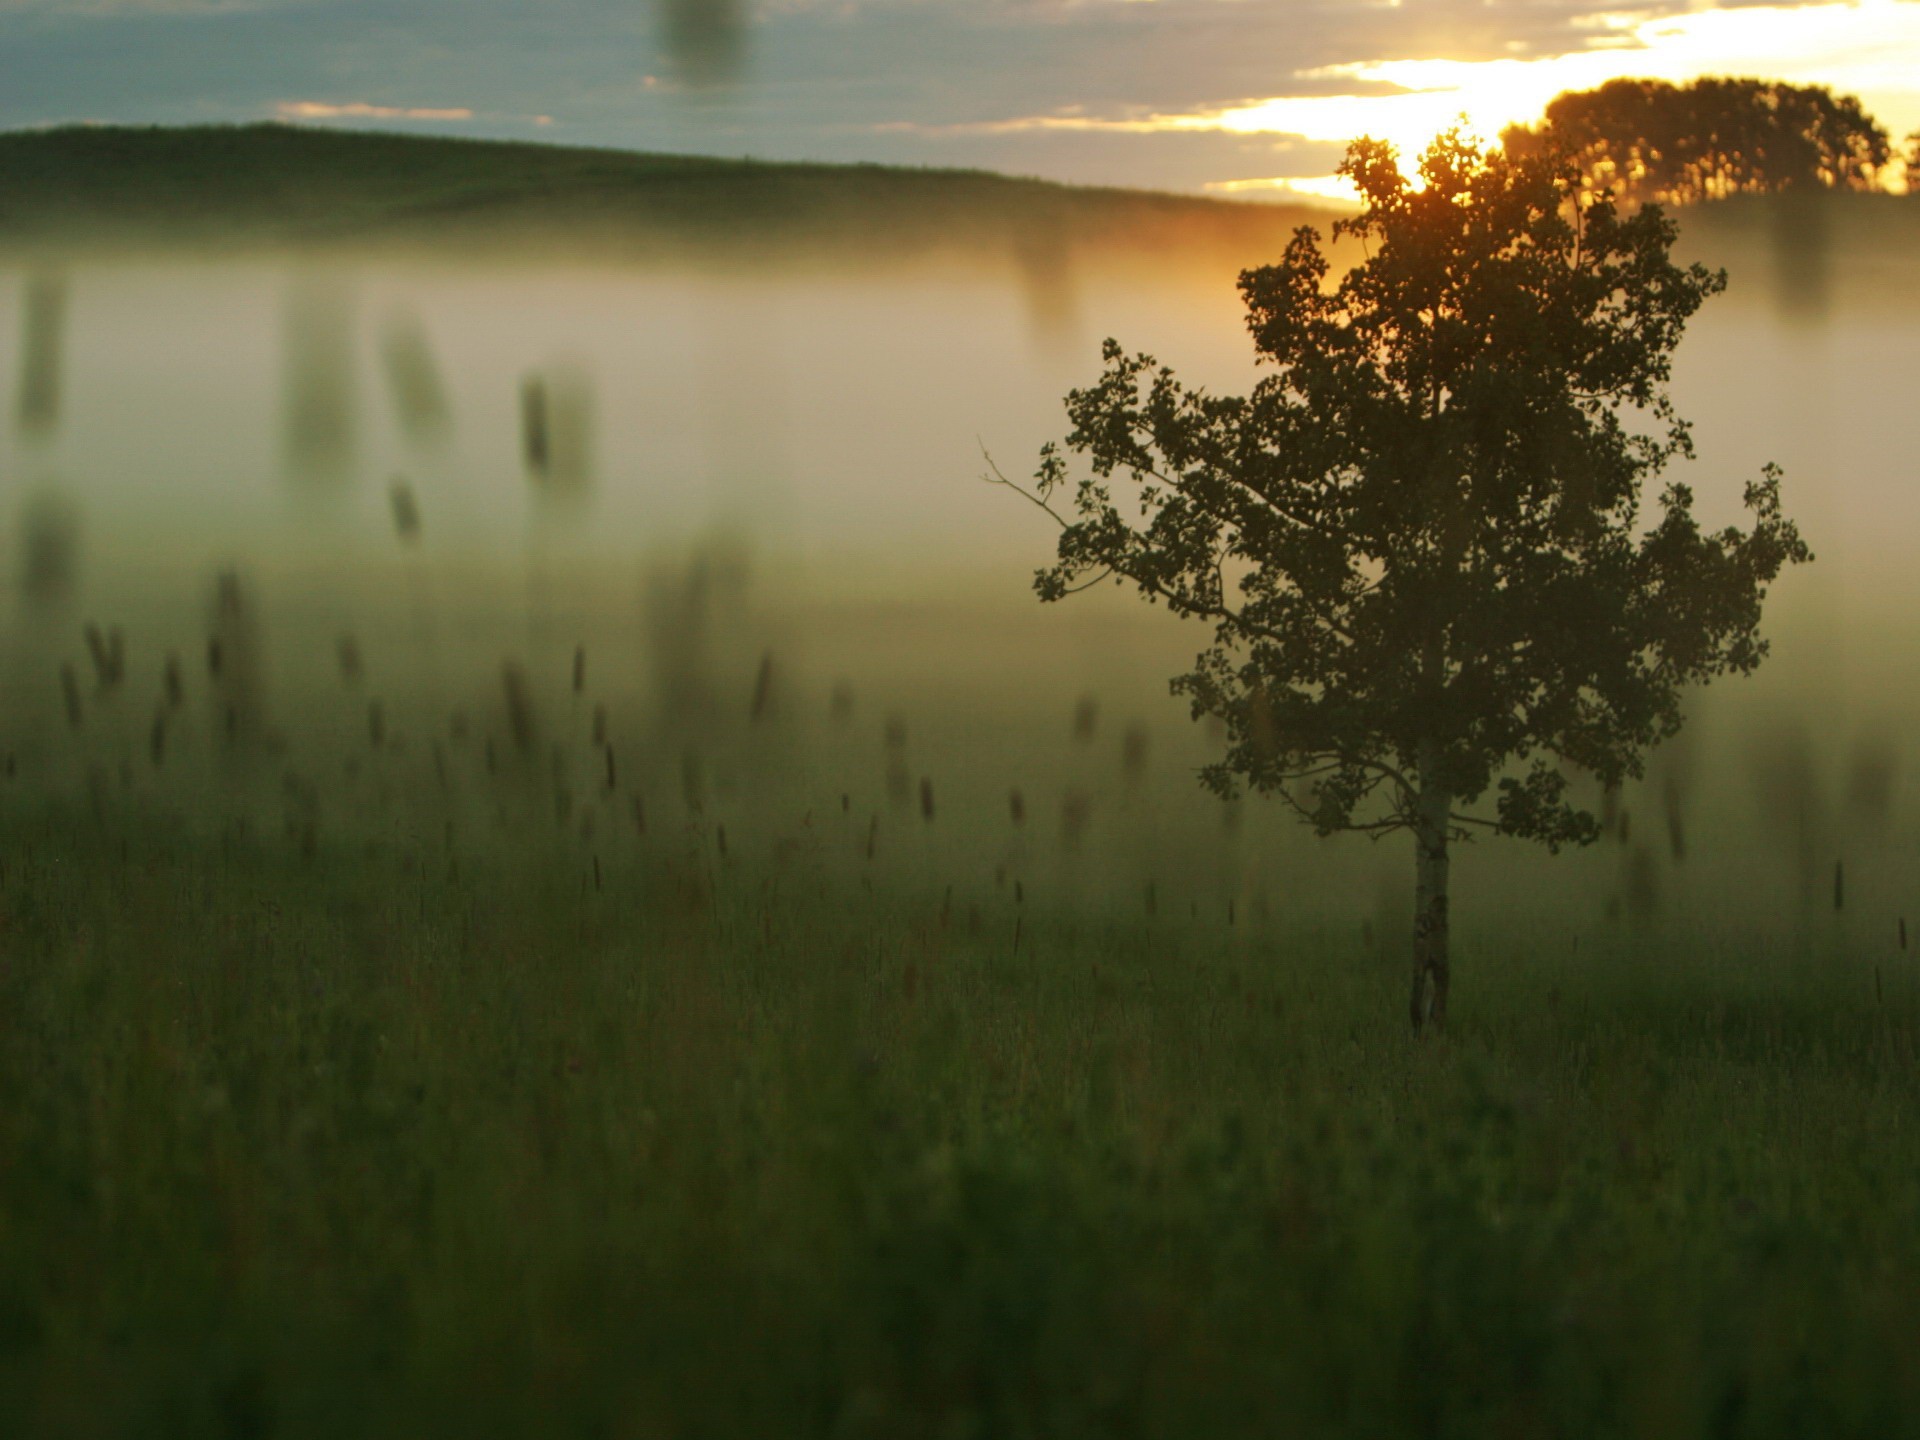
(1870, 49)
(1313, 190)
(320, 110)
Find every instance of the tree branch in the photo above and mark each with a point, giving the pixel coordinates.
(1179, 484)
(1039, 502)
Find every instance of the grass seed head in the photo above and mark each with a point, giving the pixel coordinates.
(1076, 811)
(1872, 768)
(1676, 819)
(406, 511)
(70, 692)
(414, 378)
(536, 441)
(318, 407)
(102, 660)
(762, 689)
(519, 699)
(1086, 718)
(50, 550)
(42, 359)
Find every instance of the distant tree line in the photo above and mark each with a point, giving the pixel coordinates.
(1650, 140)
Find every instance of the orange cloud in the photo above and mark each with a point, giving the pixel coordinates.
(1870, 48)
(359, 110)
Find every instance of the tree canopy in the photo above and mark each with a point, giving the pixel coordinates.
(1651, 140)
(1419, 540)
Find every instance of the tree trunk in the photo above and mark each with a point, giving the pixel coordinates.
(1430, 959)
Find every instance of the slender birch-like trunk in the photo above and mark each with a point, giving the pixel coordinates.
(1431, 971)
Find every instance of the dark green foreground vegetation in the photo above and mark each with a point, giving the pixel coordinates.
(358, 1146)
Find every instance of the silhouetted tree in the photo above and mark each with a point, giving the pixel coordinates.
(1419, 540)
(1912, 163)
(1651, 140)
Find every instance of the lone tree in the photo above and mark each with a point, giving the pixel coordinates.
(1419, 540)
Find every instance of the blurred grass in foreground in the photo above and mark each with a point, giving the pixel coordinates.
(351, 1146)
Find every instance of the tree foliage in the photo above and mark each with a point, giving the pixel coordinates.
(1651, 140)
(1419, 541)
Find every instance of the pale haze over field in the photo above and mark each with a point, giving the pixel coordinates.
(1233, 96)
(836, 415)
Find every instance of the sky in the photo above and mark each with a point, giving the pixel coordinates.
(1235, 97)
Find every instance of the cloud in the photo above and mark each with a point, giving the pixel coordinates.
(1870, 48)
(127, 9)
(1314, 190)
(1174, 93)
(359, 110)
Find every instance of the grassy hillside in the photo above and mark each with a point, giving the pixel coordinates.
(239, 189)
(275, 185)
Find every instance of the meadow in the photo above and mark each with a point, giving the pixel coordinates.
(554, 879)
(339, 1147)
(632, 1077)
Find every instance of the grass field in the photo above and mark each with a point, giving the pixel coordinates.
(694, 1036)
(375, 1140)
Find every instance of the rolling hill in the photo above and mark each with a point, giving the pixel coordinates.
(277, 186)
